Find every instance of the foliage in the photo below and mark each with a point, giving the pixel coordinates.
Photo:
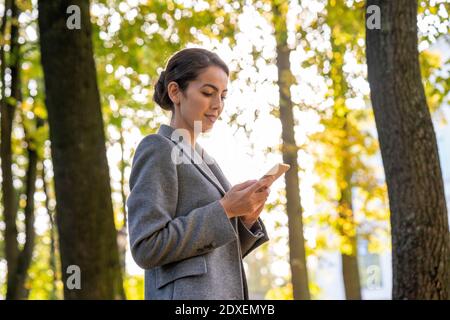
(134, 287)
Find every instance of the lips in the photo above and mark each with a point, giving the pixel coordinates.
(211, 117)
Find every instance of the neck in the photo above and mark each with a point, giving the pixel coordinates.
(178, 123)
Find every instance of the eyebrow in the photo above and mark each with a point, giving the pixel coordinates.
(213, 86)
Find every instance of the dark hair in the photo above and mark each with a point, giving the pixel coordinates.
(184, 66)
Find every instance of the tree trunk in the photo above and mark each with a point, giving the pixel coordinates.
(9, 193)
(350, 269)
(348, 228)
(84, 213)
(408, 144)
(289, 148)
(17, 290)
(18, 259)
(122, 234)
(53, 248)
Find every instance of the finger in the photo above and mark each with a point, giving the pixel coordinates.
(261, 189)
(265, 191)
(243, 185)
(257, 211)
(267, 181)
(264, 182)
(260, 208)
(260, 196)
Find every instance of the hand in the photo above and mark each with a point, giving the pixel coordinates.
(246, 197)
(249, 219)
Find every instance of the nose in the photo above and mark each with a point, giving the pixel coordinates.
(218, 105)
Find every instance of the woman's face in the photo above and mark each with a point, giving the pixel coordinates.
(203, 99)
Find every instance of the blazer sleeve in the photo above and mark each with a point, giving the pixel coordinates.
(252, 238)
(157, 237)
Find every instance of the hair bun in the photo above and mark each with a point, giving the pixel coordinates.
(160, 96)
(162, 77)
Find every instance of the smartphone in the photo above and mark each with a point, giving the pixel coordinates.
(277, 171)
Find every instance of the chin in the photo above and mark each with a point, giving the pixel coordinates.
(207, 128)
(206, 125)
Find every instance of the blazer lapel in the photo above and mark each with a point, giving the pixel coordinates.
(219, 175)
(197, 157)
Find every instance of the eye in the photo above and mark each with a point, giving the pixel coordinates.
(210, 94)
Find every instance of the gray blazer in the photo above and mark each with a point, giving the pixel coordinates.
(179, 232)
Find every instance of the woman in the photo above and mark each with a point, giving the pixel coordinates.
(189, 229)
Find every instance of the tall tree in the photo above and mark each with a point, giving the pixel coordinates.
(294, 210)
(345, 129)
(84, 211)
(18, 259)
(8, 191)
(408, 144)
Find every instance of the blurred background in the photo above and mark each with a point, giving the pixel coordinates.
(311, 53)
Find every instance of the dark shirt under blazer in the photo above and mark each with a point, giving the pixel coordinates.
(179, 232)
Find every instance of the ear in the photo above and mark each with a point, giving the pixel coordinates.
(173, 90)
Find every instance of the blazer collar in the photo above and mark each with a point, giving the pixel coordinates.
(198, 157)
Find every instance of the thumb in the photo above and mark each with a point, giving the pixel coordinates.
(263, 182)
(243, 185)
